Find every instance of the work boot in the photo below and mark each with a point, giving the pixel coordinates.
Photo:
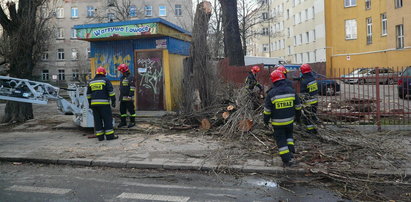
(123, 122)
(132, 122)
(290, 164)
(111, 137)
(100, 137)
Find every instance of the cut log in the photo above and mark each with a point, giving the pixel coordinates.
(230, 107)
(226, 115)
(205, 124)
(245, 125)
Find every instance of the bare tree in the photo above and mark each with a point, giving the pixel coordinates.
(26, 33)
(248, 13)
(232, 40)
(215, 37)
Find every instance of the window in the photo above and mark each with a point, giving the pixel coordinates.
(300, 39)
(73, 34)
(288, 14)
(313, 12)
(90, 11)
(306, 14)
(398, 3)
(148, 10)
(61, 75)
(60, 33)
(60, 13)
(288, 32)
(265, 47)
(74, 54)
(351, 29)
(178, 11)
(265, 31)
(75, 74)
(133, 11)
(74, 12)
(369, 30)
(295, 40)
(111, 17)
(289, 50)
(45, 76)
(162, 10)
(384, 24)
(265, 16)
(45, 56)
(350, 3)
(307, 37)
(367, 4)
(400, 36)
(60, 54)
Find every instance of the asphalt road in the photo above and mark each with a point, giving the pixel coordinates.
(37, 182)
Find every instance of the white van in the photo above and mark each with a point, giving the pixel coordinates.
(268, 62)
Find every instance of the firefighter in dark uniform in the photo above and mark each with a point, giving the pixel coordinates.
(251, 82)
(280, 108)
(127, 89)
(99, 93)
(309, 97)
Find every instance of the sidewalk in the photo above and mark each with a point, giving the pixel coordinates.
(62, 144)
(52, 138)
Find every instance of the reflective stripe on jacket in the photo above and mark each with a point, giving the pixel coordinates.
(100, 91)
(280, 104)
(127, 87)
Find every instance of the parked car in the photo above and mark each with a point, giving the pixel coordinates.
(325, 86)
(352, 74)
(404, 83)
(368, 75)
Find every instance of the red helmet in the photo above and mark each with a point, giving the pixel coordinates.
(101, 70)
(255, 69)
(282, 69)
(276, 76)
(305, 68)
(123, 68)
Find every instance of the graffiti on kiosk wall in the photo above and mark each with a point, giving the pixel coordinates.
(151, 77)
(111, 62)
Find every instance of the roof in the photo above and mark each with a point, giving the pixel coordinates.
(130, 22)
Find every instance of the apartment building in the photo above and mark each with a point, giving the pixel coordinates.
(67, 59)
(368, 33)
(293, 30)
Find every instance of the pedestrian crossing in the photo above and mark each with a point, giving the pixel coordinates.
(44, 190)
(152, 197)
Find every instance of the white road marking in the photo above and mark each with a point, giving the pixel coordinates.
(45, 190)
(153, 197)
(180, 187)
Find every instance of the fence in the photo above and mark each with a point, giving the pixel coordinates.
(363, 96)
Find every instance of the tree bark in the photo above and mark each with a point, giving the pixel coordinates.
(20, 30)
(232, 39)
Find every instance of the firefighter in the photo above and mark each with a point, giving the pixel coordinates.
(280, 107)
(251, 82)
(309, 97)
(99, 92)
(127, 89)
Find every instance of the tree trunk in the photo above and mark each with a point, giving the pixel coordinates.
(232, 39)
(17, 112)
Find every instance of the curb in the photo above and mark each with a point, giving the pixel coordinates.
(156, 165)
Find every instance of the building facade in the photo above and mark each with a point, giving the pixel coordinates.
(367, 33)
(293, 30)
(67, 59)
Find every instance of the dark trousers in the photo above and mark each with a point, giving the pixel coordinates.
(103, 121)
(127, 106)
(284, 137)
(310, 119)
